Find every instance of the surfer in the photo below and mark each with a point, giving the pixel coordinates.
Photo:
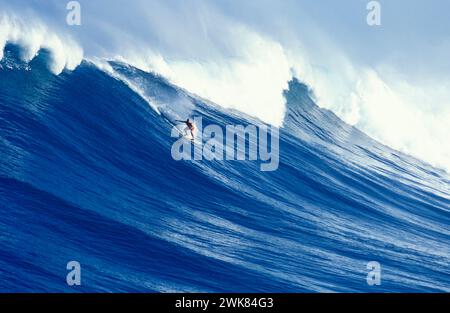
(190, 127)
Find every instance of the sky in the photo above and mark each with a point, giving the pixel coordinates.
(392, 81)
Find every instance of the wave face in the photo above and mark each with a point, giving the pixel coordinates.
(86, 174)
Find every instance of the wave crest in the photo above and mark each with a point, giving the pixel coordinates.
(33, 36)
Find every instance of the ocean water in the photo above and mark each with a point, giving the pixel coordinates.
(86, 174)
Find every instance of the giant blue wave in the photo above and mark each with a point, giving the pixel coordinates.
(86, 174)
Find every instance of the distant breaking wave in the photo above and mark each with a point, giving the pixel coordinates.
(33, 37)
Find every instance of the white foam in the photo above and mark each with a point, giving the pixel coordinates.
(411, 117)
(250, 81)
(33, 36)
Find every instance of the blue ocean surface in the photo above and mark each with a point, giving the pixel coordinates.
(86, 175)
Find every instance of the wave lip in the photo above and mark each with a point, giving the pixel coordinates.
(33, 36)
